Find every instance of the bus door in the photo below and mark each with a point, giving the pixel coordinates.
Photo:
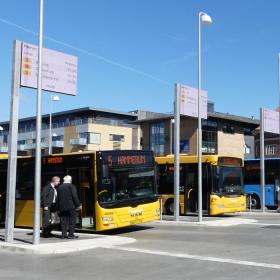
(82, 179)
(3, 180)
(191, 189)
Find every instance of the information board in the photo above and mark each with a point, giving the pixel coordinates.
(189, 102)
(59, 70)
(271, 121)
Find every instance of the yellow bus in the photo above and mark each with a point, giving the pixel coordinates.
(222, 184)
(116, 188)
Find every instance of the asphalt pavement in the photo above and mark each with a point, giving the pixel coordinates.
(234, 247)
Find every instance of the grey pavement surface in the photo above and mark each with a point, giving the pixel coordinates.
(248, 247)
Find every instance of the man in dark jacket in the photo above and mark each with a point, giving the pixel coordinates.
(49, 204)
(68, 202)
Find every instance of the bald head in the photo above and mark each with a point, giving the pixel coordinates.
(67, 179)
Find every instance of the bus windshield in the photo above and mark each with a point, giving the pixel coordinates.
(126, 184)
(228, 181)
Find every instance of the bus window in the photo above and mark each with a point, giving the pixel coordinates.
(125, 183)
(25, 180)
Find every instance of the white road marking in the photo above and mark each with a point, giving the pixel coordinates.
(196, 257)
(226, 222)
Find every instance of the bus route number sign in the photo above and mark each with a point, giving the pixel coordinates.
(122, 160)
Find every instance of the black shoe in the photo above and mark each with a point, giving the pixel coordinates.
(64, 236)
(73, 237)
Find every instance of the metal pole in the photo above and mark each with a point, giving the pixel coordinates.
(278, 191)
(177, 152)
(171, 136)
(262, 167)
(160, 200)
(50, 129)
(13, 139)
(37, 193)
(199, 125)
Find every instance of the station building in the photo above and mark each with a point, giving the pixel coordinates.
(92, 129)
(84, 129)
(224, 134)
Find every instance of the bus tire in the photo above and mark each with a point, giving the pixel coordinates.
(169, 207)
(255, 202)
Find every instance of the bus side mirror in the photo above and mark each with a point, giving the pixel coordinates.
(105, 171)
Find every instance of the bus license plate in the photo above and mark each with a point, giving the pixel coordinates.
(135, 222)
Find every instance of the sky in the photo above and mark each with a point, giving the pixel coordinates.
(131, 52)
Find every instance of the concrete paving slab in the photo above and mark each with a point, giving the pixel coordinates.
(55, 245)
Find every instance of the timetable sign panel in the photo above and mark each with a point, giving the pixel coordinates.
(189, 102)
(59, 70)
(271, 121)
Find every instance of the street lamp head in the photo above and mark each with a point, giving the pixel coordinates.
(205, 19)
(54, 134)
(55, 98)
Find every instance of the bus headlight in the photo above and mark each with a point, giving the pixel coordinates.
(242, 204)
(107, 219)
(158, 211)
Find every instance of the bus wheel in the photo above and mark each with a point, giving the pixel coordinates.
(169, 207)
(255, 202)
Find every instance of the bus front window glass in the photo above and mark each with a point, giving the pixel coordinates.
(229, 181)
(126, 183)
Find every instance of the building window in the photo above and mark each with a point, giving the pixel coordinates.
(270, 150)
(157, 138)
(94, 138)
(116, 138)
(228, 129)
(248, 131)
(58, 138)
(209, 137)
(21, 142)
(83, 135)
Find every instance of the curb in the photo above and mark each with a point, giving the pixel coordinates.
(66, 247)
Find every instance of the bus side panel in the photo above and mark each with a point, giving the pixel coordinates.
(269, 193)
(253, 189)
(25, 213)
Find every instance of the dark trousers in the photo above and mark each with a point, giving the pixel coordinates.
(68, 222)
(46, 219)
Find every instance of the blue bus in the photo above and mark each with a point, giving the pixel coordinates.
(252, 182)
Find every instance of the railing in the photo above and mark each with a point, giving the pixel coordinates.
(58, 144)
(78, 141)
(4, 149)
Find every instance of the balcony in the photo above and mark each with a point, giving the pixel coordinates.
(3, 149)
(32, 146)
(58, 144)
(78, 141)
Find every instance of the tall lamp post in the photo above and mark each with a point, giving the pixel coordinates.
(203, 18)
(1, 129)
(53, 98)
